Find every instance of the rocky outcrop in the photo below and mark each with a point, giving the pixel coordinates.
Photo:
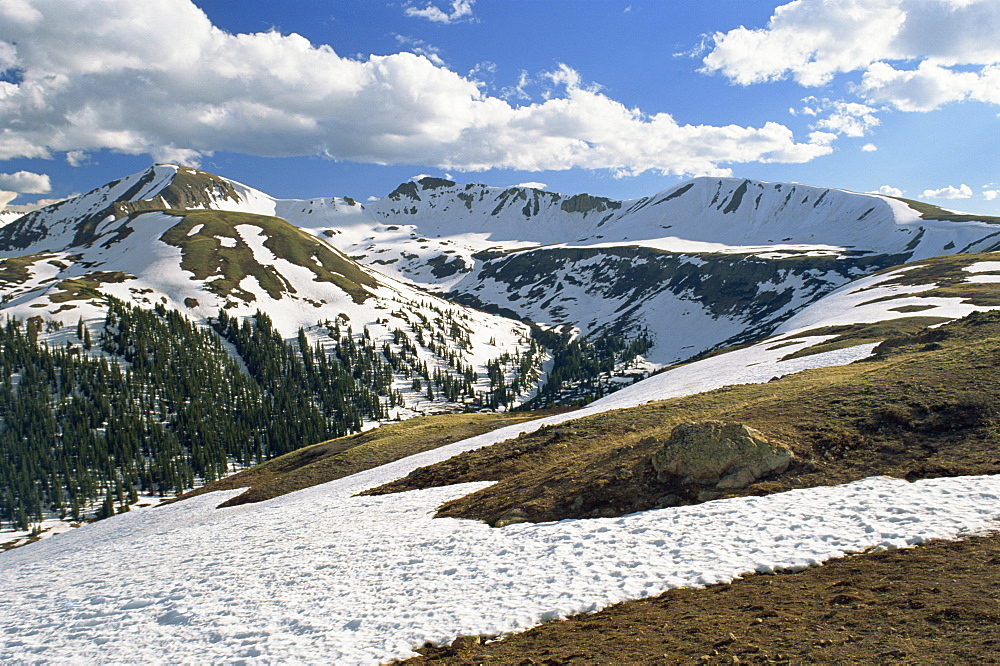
(719, 454)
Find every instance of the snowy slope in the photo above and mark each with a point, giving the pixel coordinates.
(324, 575)
(705, 215)
(705, 264)
(225, 586)
(702, 265)
(8, 216)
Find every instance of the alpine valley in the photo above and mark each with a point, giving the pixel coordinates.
(514, 356)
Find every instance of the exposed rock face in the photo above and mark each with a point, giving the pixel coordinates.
(726, 455)
(465, 642)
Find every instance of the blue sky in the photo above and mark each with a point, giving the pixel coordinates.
(613, 97)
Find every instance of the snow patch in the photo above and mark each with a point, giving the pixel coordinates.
(321, 575)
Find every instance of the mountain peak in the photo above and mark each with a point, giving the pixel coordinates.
(431, 183)
(162, 187)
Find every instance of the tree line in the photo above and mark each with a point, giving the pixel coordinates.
(160, 404)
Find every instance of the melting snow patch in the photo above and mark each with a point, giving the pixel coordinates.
(983, 278)
(984, 267)
(321, 575)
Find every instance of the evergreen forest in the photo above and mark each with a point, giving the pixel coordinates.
(156, 404)
(585, 368)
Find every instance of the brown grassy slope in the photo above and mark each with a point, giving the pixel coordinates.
(931, 212)
(204, 255)
(925, 406)
(344, 456)
(934, 604)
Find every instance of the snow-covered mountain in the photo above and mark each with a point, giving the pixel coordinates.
(707, 263)
(704, 264)
(197, 243)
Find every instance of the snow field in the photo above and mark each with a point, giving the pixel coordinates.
(323, 575)
(854, 304)
(988, 267)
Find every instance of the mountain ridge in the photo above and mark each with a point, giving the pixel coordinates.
(584, 265)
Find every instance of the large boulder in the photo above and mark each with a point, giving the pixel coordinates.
(726, 455)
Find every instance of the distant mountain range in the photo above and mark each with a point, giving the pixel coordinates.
(444, 297)
(704, 264)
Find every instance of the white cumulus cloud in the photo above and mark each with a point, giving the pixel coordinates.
(77, 158)
(869, 147)
(461, 10)
(990, 195)
(949, 48)
(156, 77)
(25, 182)
(963, 191)
(533, 185)
(888, 190)
(848, 118)
(929, 86)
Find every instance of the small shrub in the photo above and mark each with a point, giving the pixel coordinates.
(894, 415)
(967, 409)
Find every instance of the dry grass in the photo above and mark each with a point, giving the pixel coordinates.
(16, 270)
(933, 604)
(931, 212)
(204, 255)
(344, 456)
(86, 287)
(925, 406)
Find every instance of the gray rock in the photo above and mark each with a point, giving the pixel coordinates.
(722, 454)
(667, 501)
(741, 478)
(466, 642)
